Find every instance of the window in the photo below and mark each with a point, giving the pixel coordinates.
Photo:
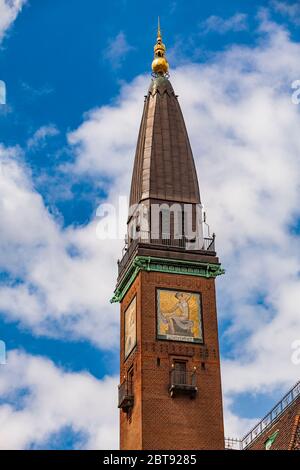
(180, 372)
(182, 381)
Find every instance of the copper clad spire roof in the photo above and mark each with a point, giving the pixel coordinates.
(164, 167)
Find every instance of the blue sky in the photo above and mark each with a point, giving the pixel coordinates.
(76, 73)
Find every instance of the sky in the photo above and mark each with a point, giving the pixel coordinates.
(76, 74)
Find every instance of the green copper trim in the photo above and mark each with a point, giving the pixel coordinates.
(163, 265)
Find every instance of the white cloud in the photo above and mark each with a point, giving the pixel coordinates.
(65, 276)
(42, 400)
(9, 10)
(41, 135)
(237, 22)
(290, 10)
(236, 426)
(117, 49)
(105, 143)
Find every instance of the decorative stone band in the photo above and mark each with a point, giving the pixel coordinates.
(163, 265)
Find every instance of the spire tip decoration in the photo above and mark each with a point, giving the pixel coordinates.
(160, 64)
(158, 29)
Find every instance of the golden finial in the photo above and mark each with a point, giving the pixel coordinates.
(160, 64)
(158, 29)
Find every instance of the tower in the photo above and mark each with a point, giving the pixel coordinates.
(170, 385)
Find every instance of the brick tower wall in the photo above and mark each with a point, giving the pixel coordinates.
(158, 421)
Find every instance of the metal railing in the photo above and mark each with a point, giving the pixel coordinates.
(232, 444)
(207, 244)
(272, 416)
(181, 377)
(182, 381)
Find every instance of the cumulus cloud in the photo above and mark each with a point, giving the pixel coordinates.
(59, 281)
(235, 426)
(41, 400)
(9, 10)
(104, 145)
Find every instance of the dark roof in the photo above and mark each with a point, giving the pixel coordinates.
(164, 166)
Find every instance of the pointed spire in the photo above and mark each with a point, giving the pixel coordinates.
(158, 29)
(160, 64)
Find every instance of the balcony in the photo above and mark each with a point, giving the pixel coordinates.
(126, 398)
(182, 383)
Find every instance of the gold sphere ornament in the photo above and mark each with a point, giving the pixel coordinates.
(160, 64)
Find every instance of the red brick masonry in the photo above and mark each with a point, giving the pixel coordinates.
(158, 421)
(288, 425)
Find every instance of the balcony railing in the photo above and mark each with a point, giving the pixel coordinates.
(126, 398)
(232, 444)
(206, 244)
(182, 382)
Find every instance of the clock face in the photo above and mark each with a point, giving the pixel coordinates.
(130, 327)
(179, 316)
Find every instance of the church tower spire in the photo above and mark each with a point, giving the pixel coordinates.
(164, 166)
(170, 386)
